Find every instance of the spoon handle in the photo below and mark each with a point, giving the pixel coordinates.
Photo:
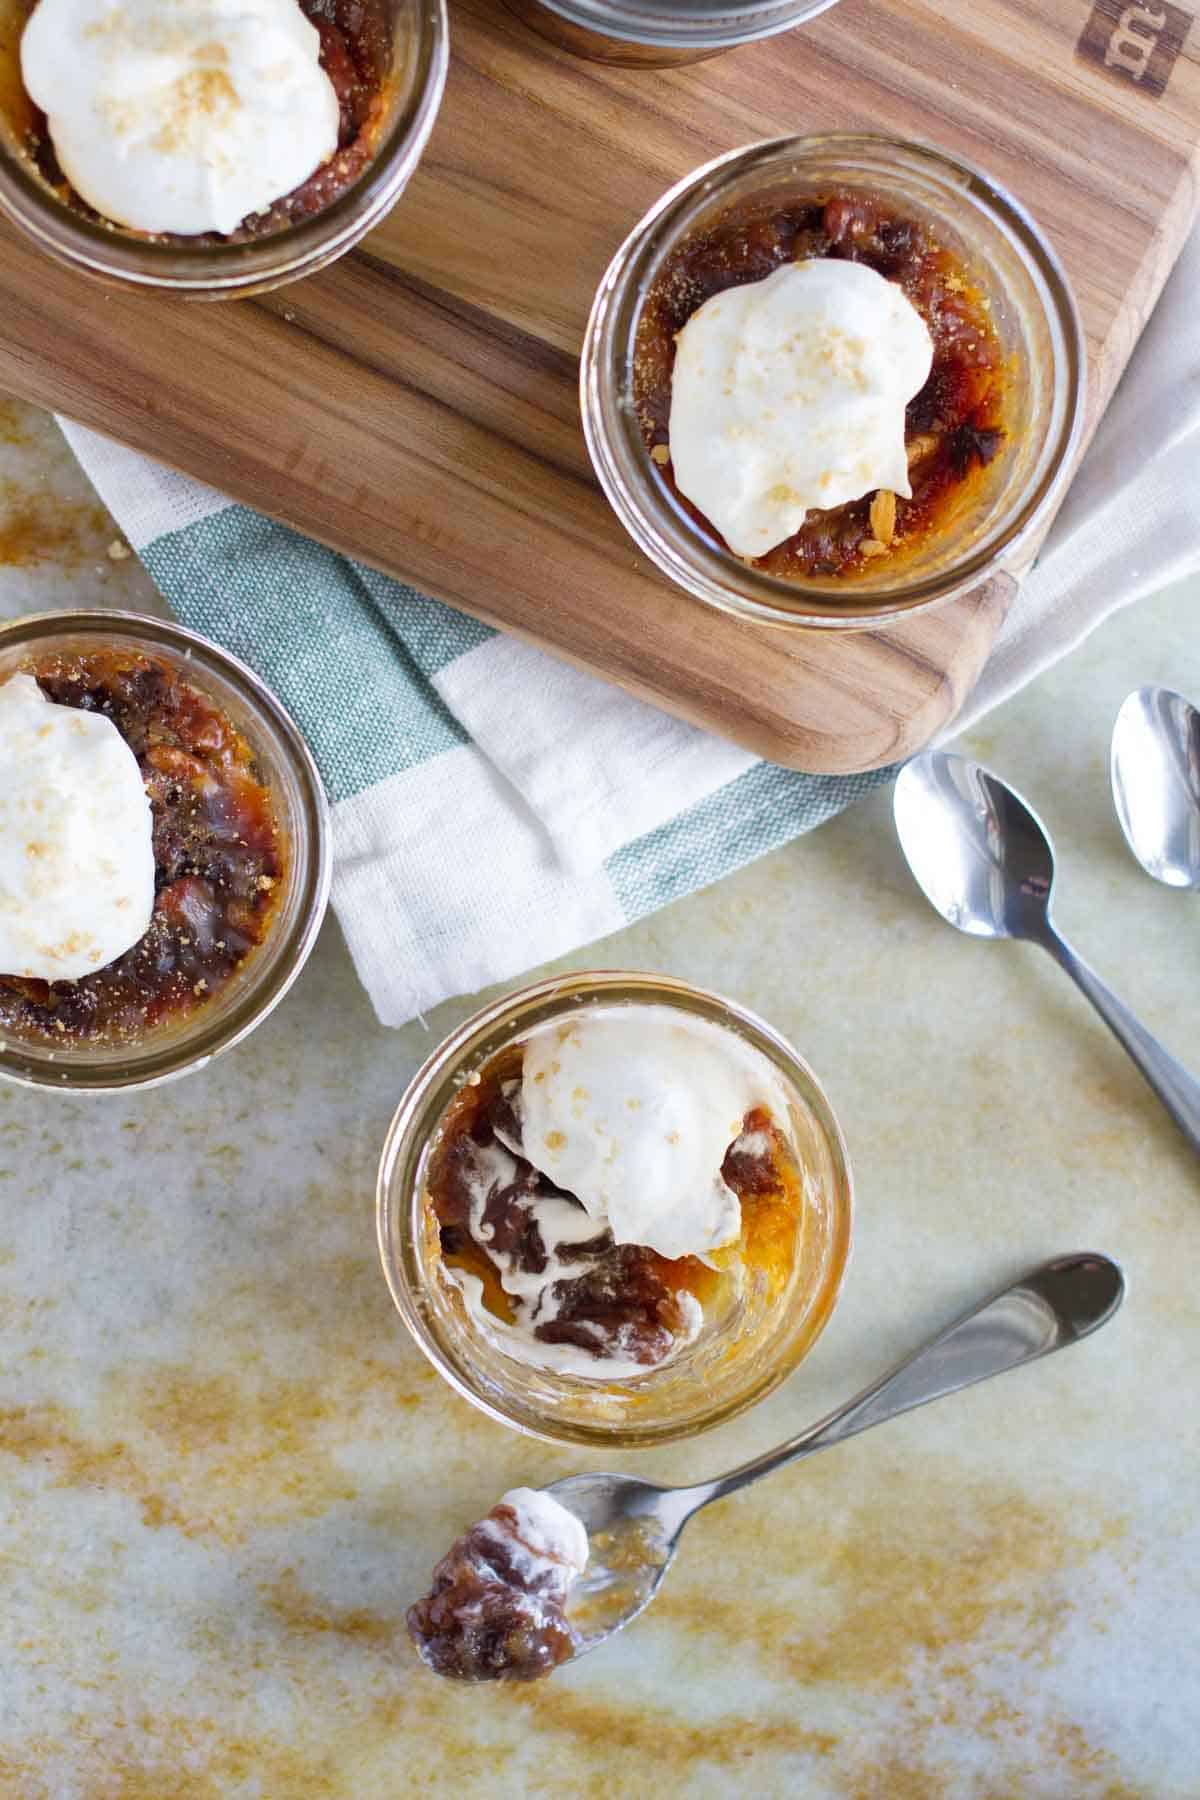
(1047, 1309)
(1178, 1091)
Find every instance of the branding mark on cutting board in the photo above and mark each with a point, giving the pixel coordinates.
(1136, 41)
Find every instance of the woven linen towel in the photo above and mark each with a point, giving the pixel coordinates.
(493, 808)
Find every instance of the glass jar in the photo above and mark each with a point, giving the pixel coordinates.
(209, 271)
(181, 1046)
(1031, 304)
(654, 33)
(704, 1384)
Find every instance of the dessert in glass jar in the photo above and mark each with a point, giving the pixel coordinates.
(615, 1209)
(210, 148)
(830, 380)
(164, 862)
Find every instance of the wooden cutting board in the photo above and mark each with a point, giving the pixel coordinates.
(416, 405)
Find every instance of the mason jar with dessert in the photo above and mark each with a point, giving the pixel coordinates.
(830, 380)
(166, 846)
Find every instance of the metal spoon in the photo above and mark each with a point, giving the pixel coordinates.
(634, 1526)
(1156, 783)
(985, 861)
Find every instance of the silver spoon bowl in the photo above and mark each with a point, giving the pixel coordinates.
(984, 860)
(1155, 767)
(634, 1526)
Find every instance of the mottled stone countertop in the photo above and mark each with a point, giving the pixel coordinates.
(225, 1469)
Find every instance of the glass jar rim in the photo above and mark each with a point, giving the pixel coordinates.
(688, 24)
(661, 529)
(423, 1104)
(151, 1064)
(98, 249)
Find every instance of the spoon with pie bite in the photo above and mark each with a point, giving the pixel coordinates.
(634, 1526)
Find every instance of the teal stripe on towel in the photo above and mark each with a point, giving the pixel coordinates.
(351, 654)
(347, 651)
(755, 813)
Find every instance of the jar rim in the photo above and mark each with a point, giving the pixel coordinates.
(423, 1105)
(660, 528)
(151, 1063)
(688, 24)
(98, 249)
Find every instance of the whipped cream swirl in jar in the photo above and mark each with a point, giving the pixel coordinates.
(181, 116)
(789, 396)
(76, 842)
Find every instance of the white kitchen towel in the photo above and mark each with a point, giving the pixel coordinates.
(494, 808)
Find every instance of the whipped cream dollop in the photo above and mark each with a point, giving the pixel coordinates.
(631, 1110)
(547, 1545)
(182, 116)
(76, 848)
(788, 395)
